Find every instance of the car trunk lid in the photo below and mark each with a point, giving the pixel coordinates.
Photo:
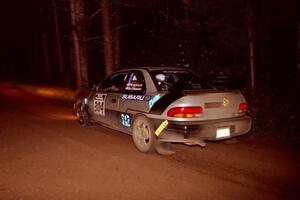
(215, 104)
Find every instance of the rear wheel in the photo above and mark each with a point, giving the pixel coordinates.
(82, 114)
(143, 134)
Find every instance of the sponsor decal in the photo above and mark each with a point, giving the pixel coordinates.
(99, 104)
(133, 89)
(161, 127)
(135, 97)
(134, 86)
(100, 97)
(225, 102)
(125, 119)
(154, 100)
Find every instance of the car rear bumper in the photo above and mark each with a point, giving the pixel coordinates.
(195, 133)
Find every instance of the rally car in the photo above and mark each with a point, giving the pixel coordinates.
(163, 105)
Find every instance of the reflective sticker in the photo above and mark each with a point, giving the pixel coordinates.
(133, 97)
(134, 78)
(161, 127)
(125, 119)
(99, 104)
(154, 100)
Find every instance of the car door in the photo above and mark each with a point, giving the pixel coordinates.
(104, 102)
(134, 98)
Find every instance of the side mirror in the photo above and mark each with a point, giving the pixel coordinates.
(112, 88)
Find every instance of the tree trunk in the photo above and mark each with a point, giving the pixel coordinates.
(298, 46)
(30, 55)
(251, 59)
(107, 41)
(251, 48)
(47, 71)
(76, 54)
(78, 39)
(117, 41)
(187, 5)
(59, 58)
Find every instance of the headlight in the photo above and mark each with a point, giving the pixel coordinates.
(85, 101)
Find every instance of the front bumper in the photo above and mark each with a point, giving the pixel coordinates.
(195, 133)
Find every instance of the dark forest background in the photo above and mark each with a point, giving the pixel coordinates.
(208, 36)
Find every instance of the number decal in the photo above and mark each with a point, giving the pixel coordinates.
(99, 104)
(125, 119)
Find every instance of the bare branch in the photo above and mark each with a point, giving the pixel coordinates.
(95, 13)
(119, 28)
(94, 38)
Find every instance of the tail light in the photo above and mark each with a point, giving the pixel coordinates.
(242, 107)
(185, 112)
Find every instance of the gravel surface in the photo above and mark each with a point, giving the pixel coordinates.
(45, 154)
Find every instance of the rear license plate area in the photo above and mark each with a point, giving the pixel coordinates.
(223, 133)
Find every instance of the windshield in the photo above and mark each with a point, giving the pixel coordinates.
(171, 80)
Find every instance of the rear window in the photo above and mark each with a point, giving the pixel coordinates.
(171, 80)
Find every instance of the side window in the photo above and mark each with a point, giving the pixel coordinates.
(135, 83)
(113, 83)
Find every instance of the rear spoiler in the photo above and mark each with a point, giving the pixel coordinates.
(227, 82)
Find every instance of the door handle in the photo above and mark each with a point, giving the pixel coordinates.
(114, 100)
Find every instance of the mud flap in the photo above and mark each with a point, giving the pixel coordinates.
(199, 142)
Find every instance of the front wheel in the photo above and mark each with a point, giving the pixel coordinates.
(82, 114)
(143, 134)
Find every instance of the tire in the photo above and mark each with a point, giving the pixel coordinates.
(143, 134)
(82, 114)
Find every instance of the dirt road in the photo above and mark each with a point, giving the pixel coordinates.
(45, 154)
